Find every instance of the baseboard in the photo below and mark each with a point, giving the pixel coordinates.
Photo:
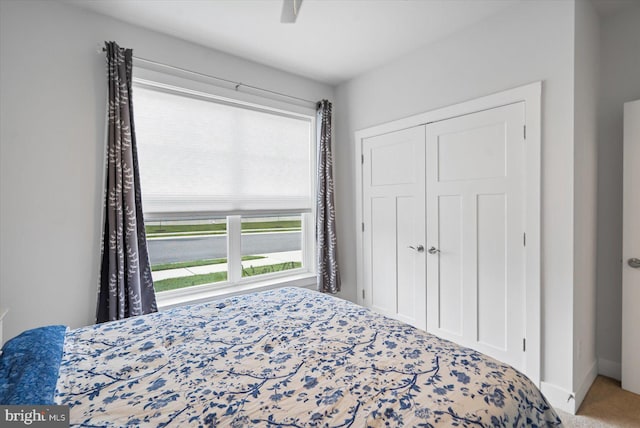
(558, 397)
(586, 383)
(610, 368)
(568, 401)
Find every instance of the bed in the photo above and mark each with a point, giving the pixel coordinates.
(282, 358)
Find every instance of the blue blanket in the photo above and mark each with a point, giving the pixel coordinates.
(29, 366)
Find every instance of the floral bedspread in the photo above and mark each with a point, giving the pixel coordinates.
(285, 358)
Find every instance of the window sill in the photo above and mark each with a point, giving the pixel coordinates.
(306, 280)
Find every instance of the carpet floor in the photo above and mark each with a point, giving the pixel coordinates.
(606, 405)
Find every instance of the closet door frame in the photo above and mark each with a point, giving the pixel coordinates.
(531, 95)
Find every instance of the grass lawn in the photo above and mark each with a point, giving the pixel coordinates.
(188, 281)
(221, 227)
(194, 263)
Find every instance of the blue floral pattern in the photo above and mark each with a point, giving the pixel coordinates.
(286, 358)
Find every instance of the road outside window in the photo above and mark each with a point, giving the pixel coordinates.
(188, 253)
(271, 244)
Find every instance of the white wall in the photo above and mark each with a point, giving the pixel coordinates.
(619, 83)
(528, 42)
(587, 51)
(52, 84)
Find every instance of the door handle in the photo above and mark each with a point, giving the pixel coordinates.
(634, 263)
(419, 248)
(433, 250)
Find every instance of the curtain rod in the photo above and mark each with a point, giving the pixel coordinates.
(236, 84)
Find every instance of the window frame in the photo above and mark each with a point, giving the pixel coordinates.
(304, 276)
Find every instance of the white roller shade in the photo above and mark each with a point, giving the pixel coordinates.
(201, 156)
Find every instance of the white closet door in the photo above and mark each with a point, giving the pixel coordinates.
(475, 231)
(631, 250)
(393, 189)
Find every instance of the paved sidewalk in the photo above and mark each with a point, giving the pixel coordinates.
(269, 259)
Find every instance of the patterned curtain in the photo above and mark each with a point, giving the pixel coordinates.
(126, 286)
(327, 241)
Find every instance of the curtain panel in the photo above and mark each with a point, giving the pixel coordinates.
(327, 241)
(125, 286)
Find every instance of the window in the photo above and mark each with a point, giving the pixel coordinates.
(227, 188)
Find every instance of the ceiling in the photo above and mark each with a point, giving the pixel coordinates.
(332, 40)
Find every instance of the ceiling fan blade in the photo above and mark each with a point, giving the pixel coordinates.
(290, 11)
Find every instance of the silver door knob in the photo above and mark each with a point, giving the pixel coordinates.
(634, 263)
(419, 248)
(433, 250)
